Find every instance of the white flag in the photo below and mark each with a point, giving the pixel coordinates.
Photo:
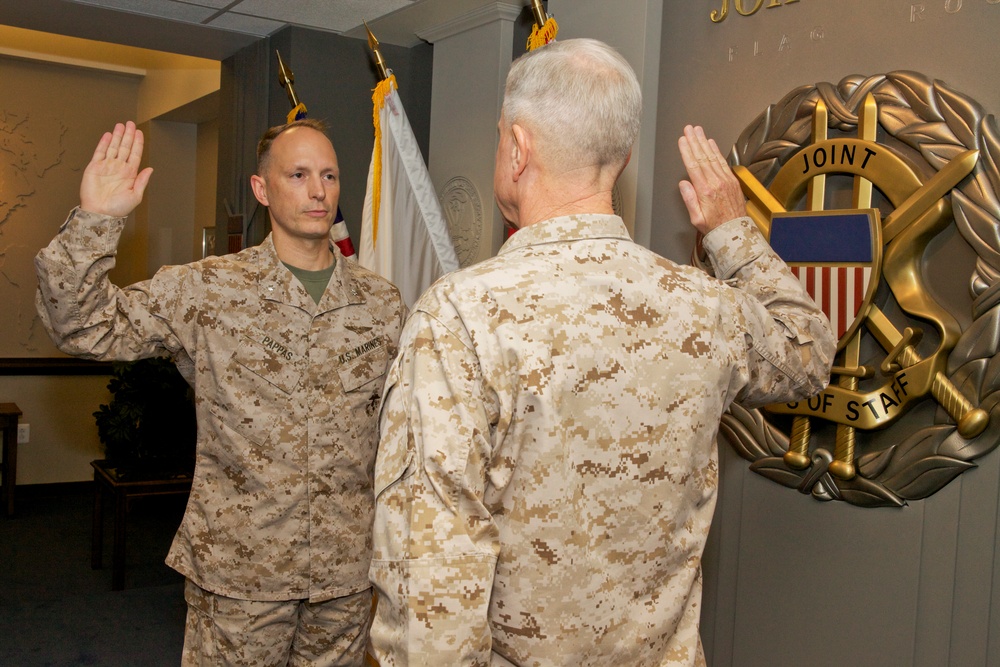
(404, 236)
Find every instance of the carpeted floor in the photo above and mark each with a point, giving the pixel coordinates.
(56, 611)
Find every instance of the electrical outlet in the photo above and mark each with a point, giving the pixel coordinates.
(23, 433)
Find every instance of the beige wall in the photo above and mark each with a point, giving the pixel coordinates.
(59, 410)
(165, 89)
(790, 580)
(205, 182)
(799, 44)
(48, 131)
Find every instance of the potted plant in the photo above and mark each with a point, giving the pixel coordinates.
(149, 428)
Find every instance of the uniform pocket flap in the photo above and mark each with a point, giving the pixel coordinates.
(272, 359)
(363, 364)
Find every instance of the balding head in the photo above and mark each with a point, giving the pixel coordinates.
(580, 98)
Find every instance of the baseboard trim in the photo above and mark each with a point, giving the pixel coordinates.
(54, 489)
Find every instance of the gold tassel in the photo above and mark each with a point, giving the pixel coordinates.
(298, 112)
(542, 36)
(382, 90)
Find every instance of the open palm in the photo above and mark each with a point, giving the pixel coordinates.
(112, 183)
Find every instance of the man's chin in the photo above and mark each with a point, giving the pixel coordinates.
(318, 229)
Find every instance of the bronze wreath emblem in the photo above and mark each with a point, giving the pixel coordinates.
(920, 157)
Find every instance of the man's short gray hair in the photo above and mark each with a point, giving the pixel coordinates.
(581, 97)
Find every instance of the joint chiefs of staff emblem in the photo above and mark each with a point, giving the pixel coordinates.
(866, 188)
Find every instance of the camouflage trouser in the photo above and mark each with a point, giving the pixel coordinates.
(224, 631)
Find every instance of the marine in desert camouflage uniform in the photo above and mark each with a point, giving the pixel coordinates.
(548, 469)
(276, 539)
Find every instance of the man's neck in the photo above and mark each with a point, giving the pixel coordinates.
(538, 210)
(307, 254)
(544, 196)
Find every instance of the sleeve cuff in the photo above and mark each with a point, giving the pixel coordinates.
(98, 232)
(732, 245)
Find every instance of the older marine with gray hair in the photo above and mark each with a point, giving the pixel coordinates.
(547, 469)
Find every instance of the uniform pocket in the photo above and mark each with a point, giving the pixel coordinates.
(392, 468)
(257, 385)
(271, 359)
(364, 365)
(254, 425)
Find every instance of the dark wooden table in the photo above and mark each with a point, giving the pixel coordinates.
(9, 415)
(108, 481)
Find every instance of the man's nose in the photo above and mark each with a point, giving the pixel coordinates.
(316, 188)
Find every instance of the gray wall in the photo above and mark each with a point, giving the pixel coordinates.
(334, 78)
(790, 580)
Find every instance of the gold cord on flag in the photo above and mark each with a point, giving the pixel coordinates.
(297, 113)
(540, 36)
(381, 91)
(544, 29)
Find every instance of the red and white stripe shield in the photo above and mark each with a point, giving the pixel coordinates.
(836, 255)
(839, 290)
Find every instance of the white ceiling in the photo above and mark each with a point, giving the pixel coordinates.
(217, 29)
(258, 17)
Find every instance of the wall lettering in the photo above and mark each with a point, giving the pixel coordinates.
(784, 44)
(747, 8)
(918, 11)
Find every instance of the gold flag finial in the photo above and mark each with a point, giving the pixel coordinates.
(286, 79)
(383, 71)
(538, 12)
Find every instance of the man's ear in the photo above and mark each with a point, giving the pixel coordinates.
(521, 149)
(259, 189)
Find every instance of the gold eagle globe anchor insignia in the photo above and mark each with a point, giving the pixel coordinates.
(864, 270)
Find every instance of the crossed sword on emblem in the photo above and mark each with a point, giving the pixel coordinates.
(899, 346)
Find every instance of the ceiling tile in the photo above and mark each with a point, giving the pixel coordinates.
(336, 15)
(252, 25)
(217, 4)
(178, 11)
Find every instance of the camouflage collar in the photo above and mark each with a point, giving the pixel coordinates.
(568, 228)
(277, 283)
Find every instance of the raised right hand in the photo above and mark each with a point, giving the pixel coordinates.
(112, 183)
(712, 195)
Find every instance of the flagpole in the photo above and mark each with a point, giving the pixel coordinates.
(338, 231)
(539, 12)
(383, 71)
(379, 95)
(404, 233)
(287, 80)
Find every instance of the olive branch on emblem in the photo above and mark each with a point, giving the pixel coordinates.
(951, 136)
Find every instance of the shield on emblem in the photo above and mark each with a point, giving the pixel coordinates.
(837, 256)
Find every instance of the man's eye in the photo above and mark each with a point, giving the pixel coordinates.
(297, 174)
